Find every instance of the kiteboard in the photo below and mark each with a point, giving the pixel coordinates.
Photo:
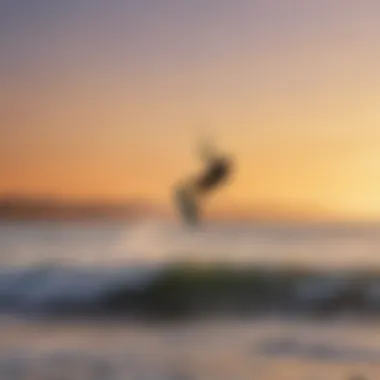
(187, 206)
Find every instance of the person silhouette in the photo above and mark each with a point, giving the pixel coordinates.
(189, 194)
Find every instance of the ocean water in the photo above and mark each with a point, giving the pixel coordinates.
(114, 244)
(81, 270)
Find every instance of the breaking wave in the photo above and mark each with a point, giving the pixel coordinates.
(186, 291)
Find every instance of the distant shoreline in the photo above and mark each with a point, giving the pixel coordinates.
(23, 209)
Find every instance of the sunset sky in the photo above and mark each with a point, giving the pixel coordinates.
(109, 99)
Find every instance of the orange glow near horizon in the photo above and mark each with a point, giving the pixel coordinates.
(112, 106)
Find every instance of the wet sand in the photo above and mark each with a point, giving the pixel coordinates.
(220, 350)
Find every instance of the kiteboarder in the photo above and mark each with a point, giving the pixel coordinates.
(190, 193)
